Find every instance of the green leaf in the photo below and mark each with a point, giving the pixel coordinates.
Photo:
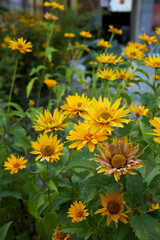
(19, 111)
(62, 197)
(143, 72)
(34, 202)
(147, 138)
(79, 229)
(121, 232)
(49, 51)
(4, 230)
(41, 169)
(36, 70)
(152, 174)
(10, 194)
(145, 227)
(30, 86)
(52, 185)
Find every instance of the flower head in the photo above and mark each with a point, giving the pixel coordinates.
(113, 207)
(50, 82)
(14, 163)
(108, 74)
(20, 45)
(122, 74)
(133, 53)
(152, 61)
(75, 105)
(47, 148)
(47, 122)
(156, 77)
(155, 206)
(118, 158)
(69, 35)
(82, 135)
(49, 16)
(158, 31)
(31, 102)
(103, 43)
(148, 39)
(109, 58)
(140, 46)
(85, 34)
(92, 63)
(155, 122)
(78, 212)
(114, 30)
(60, 235)
(139, 110)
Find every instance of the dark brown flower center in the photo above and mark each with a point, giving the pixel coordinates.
(105, 116)
(61, 236)
(79, 104)
(47, 150)
(16, 165)
(79, 213)
(19, 45)
(113, 207)
(118, 161)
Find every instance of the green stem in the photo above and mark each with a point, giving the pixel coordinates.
(48, 190)
(49, 98)
(154, 47)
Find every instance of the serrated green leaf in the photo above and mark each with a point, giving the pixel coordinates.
(147, 138)
(4, 230)
(143, 72)
(34, 202)
(62, 197)
(152, 174)
(41, 169)
(49, 51)
(79, 229)
(30, 86)
(52, 185)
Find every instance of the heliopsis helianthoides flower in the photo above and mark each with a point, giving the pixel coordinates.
(108, 74)
(122, 74)
(155, 206)
(20, 45)
(114, 30)
(139, 110)
(54, 5)
(152, 61)
(14, 163)
(103, 43)
(47, 122)
(109, 58)
(50, 82)
(140, 46)
(82, 135)
(92, 63)
(118, 158)
(76, 105)
(113, 207)
(158, 31)
(47, 148)
(78, 212)
(102, 116)
(85, 34)
(133, 53)
(49, 16)
(148, 39)
(156, 77)
(31, 102)
(69, 35)
(155, 122)
(59, 235)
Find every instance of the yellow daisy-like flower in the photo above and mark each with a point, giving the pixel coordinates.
(122, 74)
(148, 39)
(14, 163)
(113, 207)
(69, 35)
(109, 58)
(20, 45)
(133, 53)
(50, 82)
(85, 88)
(158, 31)
(31, 102)
(92, 63)
(108, 74)
(54, 5)
(49, 16)
(156, 77)
(47, 122)
(47, 148)
(7, 39)
(139, 110)
(103, 43)
(82, 135)
(155, 122)
(118, 158)
(75, 105)
(60, 235)
(140, 46)
(78, 212)
(85, 34)
(152, 61)
(114, 30)
(102, 116)
(47, 4)
(154, 207)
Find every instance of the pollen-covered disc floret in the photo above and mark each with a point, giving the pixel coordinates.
(118, 158)
(113, 207)
(58, 235)
(78, 212)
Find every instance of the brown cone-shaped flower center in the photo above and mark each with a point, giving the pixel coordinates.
(16, 165)
(118, 161)
(113, 207)
(105, 116)
(79, 213)
(79, 104)
(61, 235)
(47, 150)
(19, 45)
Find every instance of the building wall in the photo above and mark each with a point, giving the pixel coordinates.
(146, 16)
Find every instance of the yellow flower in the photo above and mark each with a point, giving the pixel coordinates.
(7, 39)
(155, 122)
(115, 30)
(31, 102)
(3, 45)
(49, 16)
(128, 84)
(141, 111)
(133, 53)
(14, 163)
(60, 235)
(148, 39)
(57, 29)
(113, 207)
(83, 80)
(92, 63)
(85, 34)
(20, 45)
(158, 31)
(122, 74)
(108, 74)
(118, 158)
(85, 88)
(82, 135)
(47, 148)
(69, 35)
(48, 123)
(102, 116)
(156, 77)
(50, 82)
(78, 212)
(47, 4)
(109, 58)
(102, 43)
(154, 207)
(75, 105)
(140, 46)
(57, 6)
(152, 61)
